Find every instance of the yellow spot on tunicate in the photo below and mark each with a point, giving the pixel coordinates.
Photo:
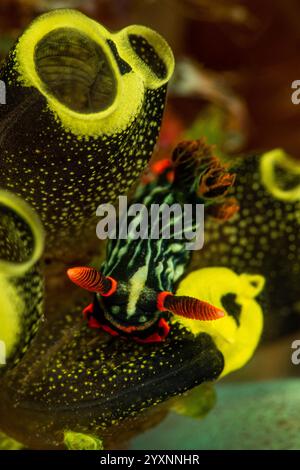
(80, 441)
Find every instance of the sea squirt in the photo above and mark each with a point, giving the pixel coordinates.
(82, 115)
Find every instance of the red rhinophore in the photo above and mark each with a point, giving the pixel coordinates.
(92, 280)
(192, 308)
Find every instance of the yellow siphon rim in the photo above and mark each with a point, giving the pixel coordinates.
(268, 177)
(161, 47)
(130, 88)
(47, 23)
(114, 118)
(24, 211)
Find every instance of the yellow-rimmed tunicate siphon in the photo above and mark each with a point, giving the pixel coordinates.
(21, 286)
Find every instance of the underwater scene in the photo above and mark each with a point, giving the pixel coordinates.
(149, 225)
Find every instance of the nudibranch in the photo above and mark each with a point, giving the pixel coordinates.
(77, 381)
(21, 282)
(81, 386)
(135, 288)
(263, 237)
(83, 113)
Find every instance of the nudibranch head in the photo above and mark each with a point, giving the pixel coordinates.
(136, 310)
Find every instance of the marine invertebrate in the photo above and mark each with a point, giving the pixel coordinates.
(21, 286)
(88, 382)
(263, 237)
(74, 379)
(238, 333)
(134, 290)
(83, 113)
(92, 383)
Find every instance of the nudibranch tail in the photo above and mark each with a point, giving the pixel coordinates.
(92, 280)
(191, 308)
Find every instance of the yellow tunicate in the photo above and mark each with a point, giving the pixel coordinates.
(84, 109)
(236, 342)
